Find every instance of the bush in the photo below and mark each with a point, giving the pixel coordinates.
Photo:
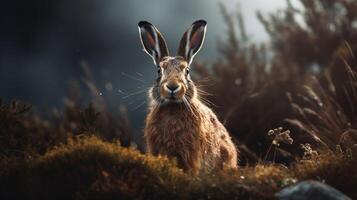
(23, 133)
(249, 83)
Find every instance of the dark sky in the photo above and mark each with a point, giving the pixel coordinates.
(42, 43)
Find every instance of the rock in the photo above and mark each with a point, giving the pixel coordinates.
(313, 190)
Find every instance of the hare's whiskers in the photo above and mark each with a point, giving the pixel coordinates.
(138, 106)
(188, 106)
(203, 92)
(140, 74)
(134, 93)
(132, 77)
(206, 101)
(122, 92)
(135, 100)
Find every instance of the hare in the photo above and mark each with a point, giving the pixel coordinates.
(178, 124)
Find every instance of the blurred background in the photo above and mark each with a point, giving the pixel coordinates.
(266, 64)
(44, 42)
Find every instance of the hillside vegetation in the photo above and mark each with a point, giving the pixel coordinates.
(290, 106)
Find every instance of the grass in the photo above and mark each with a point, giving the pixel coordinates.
(88, 168)
(62, 159)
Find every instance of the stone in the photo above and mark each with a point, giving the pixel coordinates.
(313, 190)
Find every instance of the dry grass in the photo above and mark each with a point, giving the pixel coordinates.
(88, 168)
(100, 116)
(253, 88)
(325, 109)
(334, 168)
(249, 83)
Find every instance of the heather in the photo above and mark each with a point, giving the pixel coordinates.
(290, 106)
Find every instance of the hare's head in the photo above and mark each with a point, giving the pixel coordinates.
(173, 84)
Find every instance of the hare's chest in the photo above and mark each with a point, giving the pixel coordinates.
(176, 126)
(172, 130)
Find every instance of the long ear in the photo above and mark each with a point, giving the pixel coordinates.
(152, 41)
(192, 40)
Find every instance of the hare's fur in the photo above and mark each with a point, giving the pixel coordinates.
(196, 138)
(178, 124)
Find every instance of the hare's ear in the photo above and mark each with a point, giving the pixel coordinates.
(192, 40)
(152, 41)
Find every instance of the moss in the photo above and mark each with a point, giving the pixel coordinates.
(336, 169)
(88, 168)
(92, 168)
(252, 182)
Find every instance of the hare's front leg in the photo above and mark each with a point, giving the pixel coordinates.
(188, 160)
(187, 156)
(228, 156)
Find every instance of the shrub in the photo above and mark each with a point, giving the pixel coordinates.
(23, 133)
(249, 82)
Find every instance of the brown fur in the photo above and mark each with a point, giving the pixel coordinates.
(178, 124)
(194, 136)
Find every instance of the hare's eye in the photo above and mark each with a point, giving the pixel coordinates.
(187, 71)
(159, 71)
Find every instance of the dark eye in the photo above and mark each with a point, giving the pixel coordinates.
(187, 71)
(159, 70)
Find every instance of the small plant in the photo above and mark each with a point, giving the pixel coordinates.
(279, 136)
(309, 153)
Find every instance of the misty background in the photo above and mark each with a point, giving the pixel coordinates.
(42, 44)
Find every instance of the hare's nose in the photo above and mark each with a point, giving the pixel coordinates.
(173, 87)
